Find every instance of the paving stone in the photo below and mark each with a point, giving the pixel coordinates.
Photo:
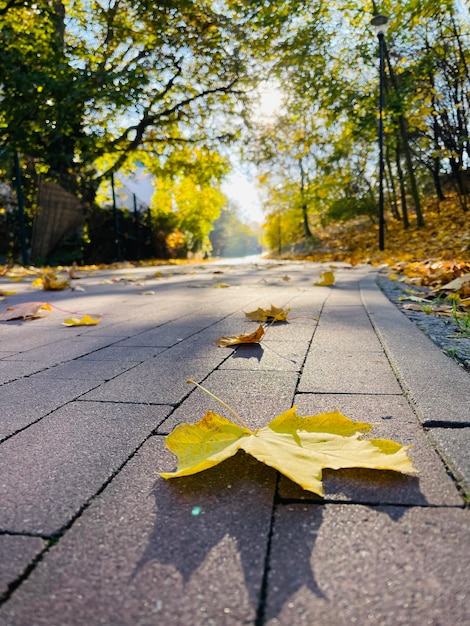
(27, 400)
(391, 418)
(346, 328)
(257, 396)
(87, 370)
(16, 554)
(454, 445)
(161, 380)
(49, 471)
(351, 564)
(26, 336)
(63, 350)
(438, 387)
(12, 370)
(164, 336)
(153, 551)
(269, 355)
(330, 371)
(122, 353)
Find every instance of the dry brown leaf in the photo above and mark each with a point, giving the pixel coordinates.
(24, 311)
(234, 340)
(274, 314)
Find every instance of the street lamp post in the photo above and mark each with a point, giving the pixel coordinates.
(379, 25)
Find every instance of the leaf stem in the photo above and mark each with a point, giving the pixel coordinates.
(234, 413)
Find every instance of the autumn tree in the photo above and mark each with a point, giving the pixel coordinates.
(87, 85)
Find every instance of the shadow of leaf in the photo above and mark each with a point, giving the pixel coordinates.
(196, 514)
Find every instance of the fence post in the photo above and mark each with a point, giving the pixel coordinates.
(116, 222)
(19, 195)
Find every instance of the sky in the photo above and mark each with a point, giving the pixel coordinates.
(240, 187)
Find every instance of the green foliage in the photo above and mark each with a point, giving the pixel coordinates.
(345, 209)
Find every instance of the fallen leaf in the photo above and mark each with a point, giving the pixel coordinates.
(456, 284)
(233, 340)
(147, 293)
(86, 320)
(298, 447)
(221, 286)
(326, 279)
(26, 310)
(274, 314)
(52, 282)
(3, 292)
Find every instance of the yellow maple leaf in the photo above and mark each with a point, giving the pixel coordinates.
(4, 292)
(326, 279)
(51, 282)
(274, 314)
(298, 447)
(233, 340)
(86, 320)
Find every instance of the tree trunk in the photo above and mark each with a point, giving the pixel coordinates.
(401, 181)
(304, 205)
(405, 147)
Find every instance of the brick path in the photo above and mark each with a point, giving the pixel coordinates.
(90, 535)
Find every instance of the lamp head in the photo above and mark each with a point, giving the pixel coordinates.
(379, 24)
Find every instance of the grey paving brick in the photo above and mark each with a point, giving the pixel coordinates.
(346, 328)
(50, 470)
(439, 388)
(19, 337)
(391, 418)
(24, 401)
(164, 336)
(348, 564)
(12, 370)
(257, 396)
(330, 371)
(268, 355)
(16, 553)
(81, 369)
(454, 445)
(122, 353)
(64, 350)
(151, 551)
(161, 380)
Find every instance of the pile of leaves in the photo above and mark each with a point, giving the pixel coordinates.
(438, 287)
(445, 237)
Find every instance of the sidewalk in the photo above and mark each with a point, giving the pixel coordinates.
(90, 535)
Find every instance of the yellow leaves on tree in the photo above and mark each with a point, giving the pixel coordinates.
(274, 314)
(298, 447)
(233, 340)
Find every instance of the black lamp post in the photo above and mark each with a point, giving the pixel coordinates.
(379, 25)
